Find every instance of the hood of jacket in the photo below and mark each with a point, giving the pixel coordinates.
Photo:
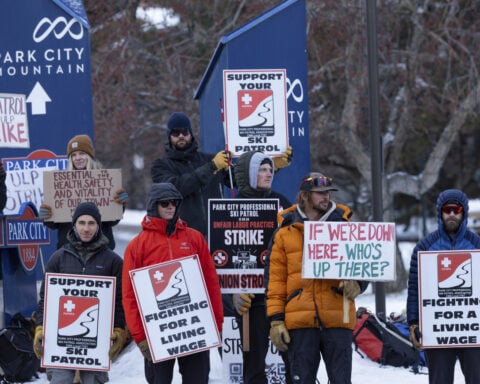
(163, 191)
(457, 196)
(246, 174)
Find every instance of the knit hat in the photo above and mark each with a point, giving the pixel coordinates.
(317, 182)
(87, 208)
(178, 120)
(81, 143)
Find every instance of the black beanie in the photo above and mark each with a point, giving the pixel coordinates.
(178, 120)
(87, 208)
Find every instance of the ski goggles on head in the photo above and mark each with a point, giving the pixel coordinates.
(449, 208)
(317, 184)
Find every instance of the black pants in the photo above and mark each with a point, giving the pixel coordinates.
(441, 364)
(308, 345)
(193, 368)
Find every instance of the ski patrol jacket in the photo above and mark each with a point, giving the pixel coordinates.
(303, 303)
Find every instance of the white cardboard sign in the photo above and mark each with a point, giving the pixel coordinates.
(175, 308)
(349, 250)
(256, 115)
(78, 321)
(449, 298)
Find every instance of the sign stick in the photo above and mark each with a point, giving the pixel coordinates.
(232, 192)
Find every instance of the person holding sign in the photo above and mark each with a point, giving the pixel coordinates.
(198, 176)
(86, 252)
(165, 237)
(254, 173)
(310, 318)
(452, 234)
(81, 156)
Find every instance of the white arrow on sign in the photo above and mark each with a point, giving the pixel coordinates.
(38, 98)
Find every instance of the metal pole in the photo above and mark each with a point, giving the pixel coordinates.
(375, 137)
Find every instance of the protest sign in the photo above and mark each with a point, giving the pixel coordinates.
(64, 190)
(449, 298)
(256, 116)
(78, 321)
(175, 308)
(238, 235)
(232, 356)
(349, 250)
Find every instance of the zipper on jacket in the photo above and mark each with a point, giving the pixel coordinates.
(294, 294)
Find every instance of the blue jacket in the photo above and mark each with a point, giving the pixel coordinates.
(439, 241)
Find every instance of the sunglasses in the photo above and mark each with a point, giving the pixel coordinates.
(320, 181)
(179, 131)
(456, 209)
(166, 203)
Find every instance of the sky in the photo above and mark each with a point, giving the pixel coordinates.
(128, 368)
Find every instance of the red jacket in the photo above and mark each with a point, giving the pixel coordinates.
(153, 246)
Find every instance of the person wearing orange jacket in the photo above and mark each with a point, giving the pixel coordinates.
(307, 316)
(164, 237)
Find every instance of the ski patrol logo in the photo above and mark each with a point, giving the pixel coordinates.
(454, 275)
(169, 285)
(78, 322)
(255, 113)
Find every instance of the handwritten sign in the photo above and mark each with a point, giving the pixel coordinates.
(175, 308)
(238, 236)
(25, 178)
(78, 321)
(449, 298)
(349, 250)
(13, 121)
(64, 190)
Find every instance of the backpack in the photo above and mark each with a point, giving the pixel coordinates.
(17, 359)
(382, 342)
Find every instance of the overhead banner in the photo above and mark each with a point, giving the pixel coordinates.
(449, 298)
(239, 231)
(175, 308)
(349, 250)
(78, 321)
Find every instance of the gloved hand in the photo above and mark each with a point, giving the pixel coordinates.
(38, 341)
(119, 338)
(283, 160)
(143, 346)
(242, 302)
(415, 336)
(351, 289)
(45, 212)
(279, 335)
(221, 160)
(121, 197)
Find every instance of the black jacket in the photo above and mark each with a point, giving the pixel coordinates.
(193, 173)
(93, 259)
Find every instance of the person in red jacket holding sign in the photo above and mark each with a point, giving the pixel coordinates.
(165, 237)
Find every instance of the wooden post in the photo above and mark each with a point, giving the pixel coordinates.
(246, 331)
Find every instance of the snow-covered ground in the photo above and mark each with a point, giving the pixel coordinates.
(128, 368)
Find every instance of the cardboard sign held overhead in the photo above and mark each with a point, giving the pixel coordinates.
(64, 190)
